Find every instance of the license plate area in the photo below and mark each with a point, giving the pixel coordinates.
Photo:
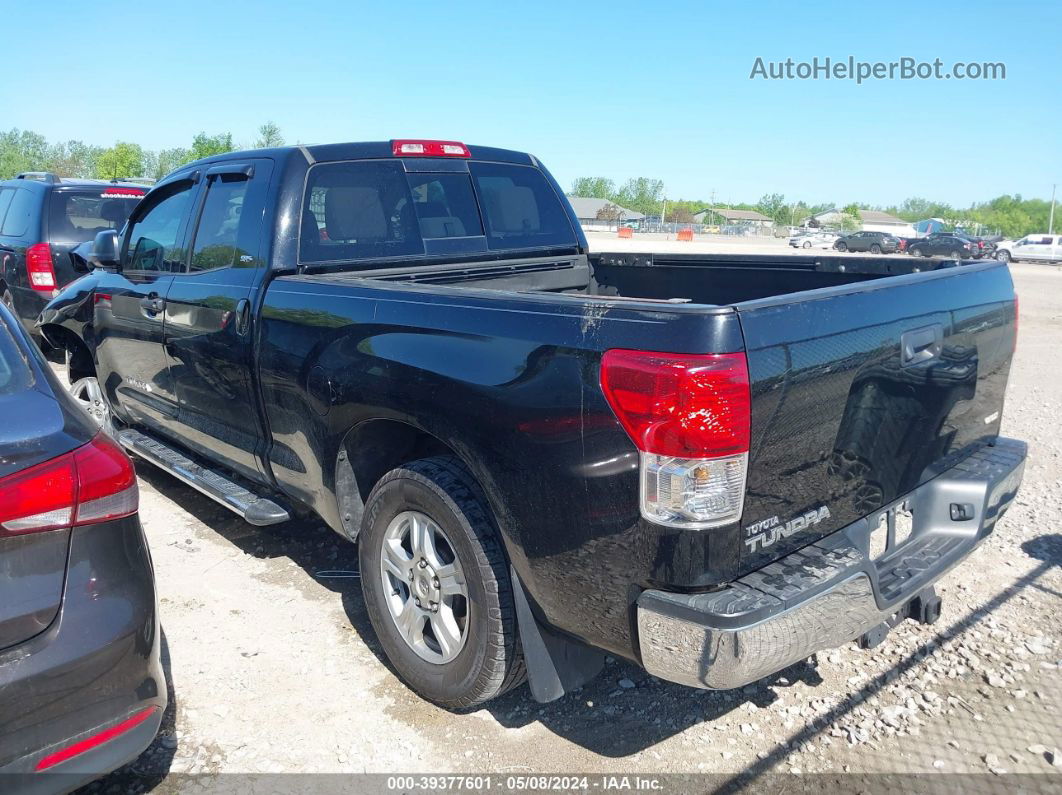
(893, 529)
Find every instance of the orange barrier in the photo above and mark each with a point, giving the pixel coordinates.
(626, 231)
(685, 234)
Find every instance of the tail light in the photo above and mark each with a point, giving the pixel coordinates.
(690, 416)
(407, 148)
(94, 483)
(39, 267)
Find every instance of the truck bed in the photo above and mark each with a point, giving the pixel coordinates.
(709, 279)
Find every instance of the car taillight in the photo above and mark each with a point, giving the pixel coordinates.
(408, 148)
(690, 416)
(94, 483)
(39, 267)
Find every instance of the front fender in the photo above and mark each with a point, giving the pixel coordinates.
(71, 312)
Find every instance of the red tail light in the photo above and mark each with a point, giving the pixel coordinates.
(94, 483)
(39, 267)
(417, 148)
(684, 405)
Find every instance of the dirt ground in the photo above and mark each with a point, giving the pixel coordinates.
(274, 667)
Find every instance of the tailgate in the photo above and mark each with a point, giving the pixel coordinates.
(860, 394)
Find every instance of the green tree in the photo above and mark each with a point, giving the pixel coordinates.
(593, 188)
(774, 207)
(121, 160)
(167, 160)
(22, 150)
(848, 222)
(73, 159)
(269, 136)
(204, 145)
(641, 194)
(853, 210)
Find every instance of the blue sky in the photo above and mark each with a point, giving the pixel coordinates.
(610, 89)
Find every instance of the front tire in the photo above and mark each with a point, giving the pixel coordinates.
(436, 585)
(916, 252)
(807, 244)
(1003, 255)
(88, 393)
(957, 255)
(841, 246)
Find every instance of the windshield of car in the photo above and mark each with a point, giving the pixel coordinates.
(78, 215)
(15, 374)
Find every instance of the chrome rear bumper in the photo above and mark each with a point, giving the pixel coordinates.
(829, 592)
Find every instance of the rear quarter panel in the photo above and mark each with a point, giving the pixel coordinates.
(510, 383)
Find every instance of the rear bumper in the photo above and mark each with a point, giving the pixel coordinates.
(829, 592)
(95, 667)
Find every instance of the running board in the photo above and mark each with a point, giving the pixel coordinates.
(254, 509)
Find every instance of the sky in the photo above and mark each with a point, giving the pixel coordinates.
(612, 89)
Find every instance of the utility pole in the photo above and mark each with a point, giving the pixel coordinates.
(1051, 221)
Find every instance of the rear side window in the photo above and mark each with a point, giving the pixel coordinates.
(520, 209)
(77, 216)
(15, 374)
(19, 212)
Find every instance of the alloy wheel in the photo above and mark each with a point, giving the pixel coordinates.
(424, 587)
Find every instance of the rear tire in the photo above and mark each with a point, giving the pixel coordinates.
(8, 301)
(488, 659)
(875, 249)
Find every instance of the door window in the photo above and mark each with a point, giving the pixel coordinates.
(154, 241)
(217, 239)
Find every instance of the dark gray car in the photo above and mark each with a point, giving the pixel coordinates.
(81, 684)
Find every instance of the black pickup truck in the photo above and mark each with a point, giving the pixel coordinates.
(711, 465)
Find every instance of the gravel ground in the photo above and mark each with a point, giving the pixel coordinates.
(274, 667)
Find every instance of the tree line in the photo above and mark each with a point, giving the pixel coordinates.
(1008, 215)
(25, 150)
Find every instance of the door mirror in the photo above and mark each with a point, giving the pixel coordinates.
(104, 252)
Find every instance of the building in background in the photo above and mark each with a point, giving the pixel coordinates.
(747, 222)
(602, 214)
(871, 221)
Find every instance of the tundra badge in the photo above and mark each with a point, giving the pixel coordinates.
(767, 532)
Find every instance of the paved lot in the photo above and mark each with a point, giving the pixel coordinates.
(274, 667)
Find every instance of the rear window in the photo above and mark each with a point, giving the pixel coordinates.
(15, 374)
(374, 209)
(77, 216)
(520, 209)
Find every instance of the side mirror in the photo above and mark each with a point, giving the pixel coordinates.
(104, 252)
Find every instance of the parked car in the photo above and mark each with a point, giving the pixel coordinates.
(545, 454)
(43, 217)
(813, 240)
(874, 242)
(81, 684)
(941, 245)
(978, 246)
(1033, 248)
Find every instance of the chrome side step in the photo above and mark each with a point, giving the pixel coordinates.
(254, 509)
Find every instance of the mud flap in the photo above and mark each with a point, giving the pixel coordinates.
(555, 665)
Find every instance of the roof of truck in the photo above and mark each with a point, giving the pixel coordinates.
(361, 151)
